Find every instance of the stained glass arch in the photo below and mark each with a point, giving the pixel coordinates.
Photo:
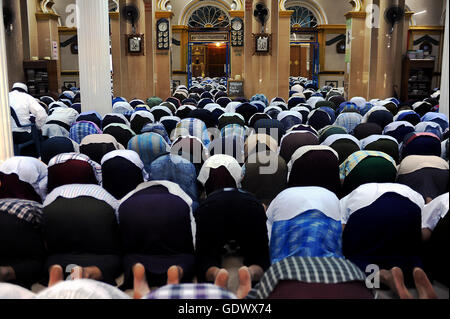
(302, 18)
(209, 17)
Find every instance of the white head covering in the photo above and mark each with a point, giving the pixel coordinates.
(297, 88)
(305, 149)
(212, 106)
(373, 109)
(19, 85)
(372, 138)
(81, 289)
(119, 116)
(394, 125)
(173, 189)
(145, 114)
(313, 100)
(366, 194)
(10, 291)
(29, 170)
(435, 211)
(59, 104)
(359, 101)
(300, 108)
(77, 190)
(420, 127)
(69, 93)
(129, 155)
(333, 138)
(284, 114)
(400, 113)
(278, 103)
(227, 161)
(272, 107)
(296, 200)
(163, 108)
(231, 107)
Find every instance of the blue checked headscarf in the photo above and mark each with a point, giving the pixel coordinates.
(309, 234)
(260, 97)
(81, 129)
(193, 127)
(149, 146)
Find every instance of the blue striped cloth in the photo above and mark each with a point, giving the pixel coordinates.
(193, 127)
(366, 108)
(149, 146)
(348, 120)
(233, 130)
(81, 129)
(309, 234)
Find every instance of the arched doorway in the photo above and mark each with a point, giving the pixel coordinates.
(208, 44)
(304, 43)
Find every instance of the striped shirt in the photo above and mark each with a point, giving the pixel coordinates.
(81, 129)
(309, 270)
(26, 210)
(64, 157)
(77, 190)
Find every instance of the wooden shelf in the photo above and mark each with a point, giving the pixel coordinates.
(51, 83)
(414, 67)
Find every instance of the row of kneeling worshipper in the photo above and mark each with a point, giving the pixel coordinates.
(289, 187)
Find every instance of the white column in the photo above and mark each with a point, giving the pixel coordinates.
(94, 55)
(444, 100)
(6, 142)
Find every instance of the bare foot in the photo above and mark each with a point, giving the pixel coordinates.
(55, 274)
(399, 284)
(221, 279)
(426, 234)
(245, 282)
(7, 274)
(92, 272)
(211, 273)
(141, 288)
(256, 272)
(174, 275)
(423, 285)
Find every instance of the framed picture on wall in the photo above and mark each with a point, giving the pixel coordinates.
(69, 84)
(135, 44)
(262, 44)
(333, 84)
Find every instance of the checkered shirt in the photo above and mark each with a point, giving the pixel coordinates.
(191, 291)
(306, 269)
(26, 210)
(81, 129)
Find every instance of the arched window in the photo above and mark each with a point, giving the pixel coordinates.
(209, 17)
(302, 18)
